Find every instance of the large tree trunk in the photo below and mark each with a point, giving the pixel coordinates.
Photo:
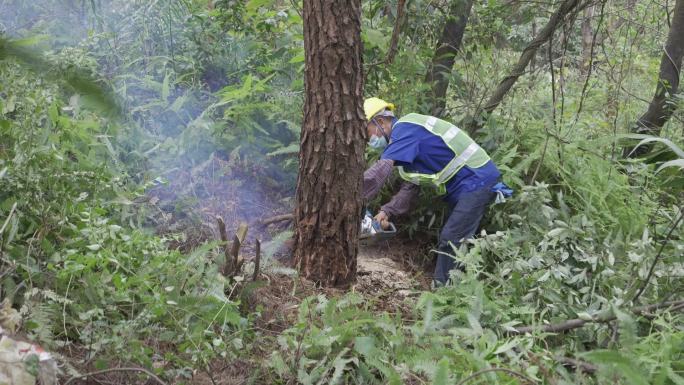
(556, 20)
(332, 145)
(661, 108)
(448, 47)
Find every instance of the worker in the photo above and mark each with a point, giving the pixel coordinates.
(430, 152)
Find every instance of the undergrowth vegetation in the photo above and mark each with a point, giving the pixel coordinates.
(87, 256)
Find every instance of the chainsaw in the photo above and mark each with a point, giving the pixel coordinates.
(372, 231)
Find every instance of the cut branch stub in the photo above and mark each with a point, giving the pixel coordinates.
(232, 262)
(224, 239)
(257, 260)
(235, 261)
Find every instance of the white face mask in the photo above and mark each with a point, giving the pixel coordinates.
(377, 142)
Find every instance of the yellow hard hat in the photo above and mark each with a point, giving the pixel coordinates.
(372, 106)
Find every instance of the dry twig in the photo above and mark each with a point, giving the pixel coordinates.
(142, 370)
(488, 370)
(277, 218)
(14, 207)
(578, 365)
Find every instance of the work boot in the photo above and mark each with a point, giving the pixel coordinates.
(435, 284)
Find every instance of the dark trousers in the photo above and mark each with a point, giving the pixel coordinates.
(462, 224)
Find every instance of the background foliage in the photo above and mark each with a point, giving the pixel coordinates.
(586, 233)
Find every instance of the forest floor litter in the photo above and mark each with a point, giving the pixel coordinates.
(389, 273)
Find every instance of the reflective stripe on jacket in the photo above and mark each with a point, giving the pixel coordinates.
(467, 152)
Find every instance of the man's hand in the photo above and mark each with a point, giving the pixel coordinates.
(383, 219)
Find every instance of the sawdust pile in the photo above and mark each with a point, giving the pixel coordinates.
(387, 274)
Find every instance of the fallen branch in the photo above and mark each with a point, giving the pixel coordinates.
(489, 370)
(277, 218)
(152, 375)
(578, 365)
(602, 317)
(224, 239)
(14, 207)
(647, 309)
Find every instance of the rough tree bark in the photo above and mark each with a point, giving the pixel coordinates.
(329, 186)
(556, 20)
(448, 47)
(661, 108)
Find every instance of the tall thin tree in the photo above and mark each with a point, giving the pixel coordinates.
(448, 46)
(328, 198)
(663, 105)
(566, 7)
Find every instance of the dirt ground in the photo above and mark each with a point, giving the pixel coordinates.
(389, 276)
(392, 270)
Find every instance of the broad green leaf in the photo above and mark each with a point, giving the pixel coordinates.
(649, 139)
(506, 346)
(674, 377)
(31, 41)
(178, 103)
(364, 345)
(376, 38)
(253, 5)
(297, 58)
(76, 79)
(165, 89)
(671, 163)
(623, 365)
(290, 149)
(442, 373)
(340, 364)
(555, 233)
